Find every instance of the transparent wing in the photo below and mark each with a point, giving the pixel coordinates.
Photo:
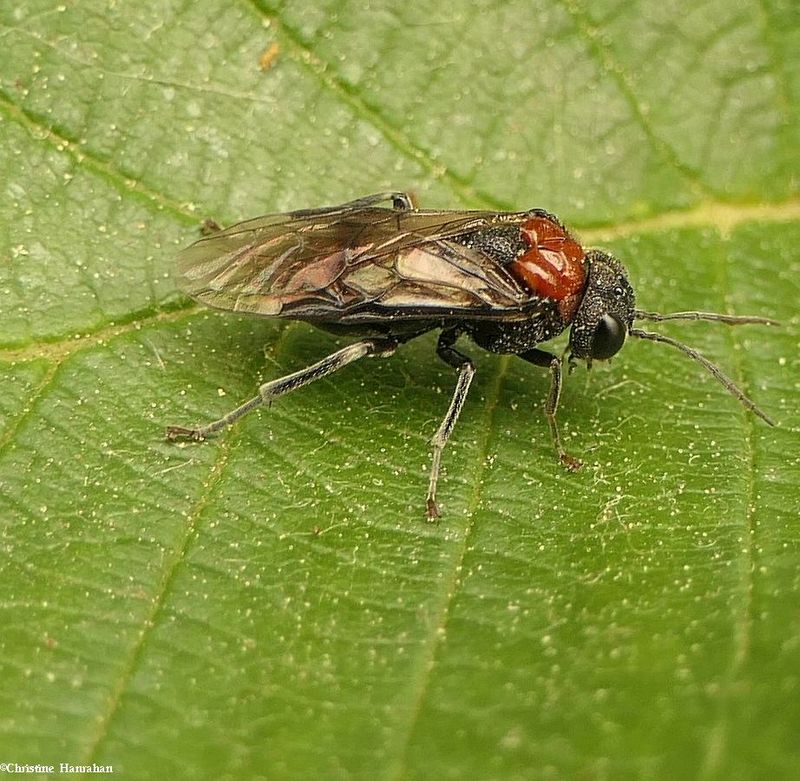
(351, 265)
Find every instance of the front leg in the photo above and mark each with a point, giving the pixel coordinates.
(466, 371)
(552, 362)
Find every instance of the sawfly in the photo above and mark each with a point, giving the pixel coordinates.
(384, 271)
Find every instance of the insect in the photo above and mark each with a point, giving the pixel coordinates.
(387, 274)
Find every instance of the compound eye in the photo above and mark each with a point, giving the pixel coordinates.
(609, 336)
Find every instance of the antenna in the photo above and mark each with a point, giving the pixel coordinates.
(718, 374)
(729, 319)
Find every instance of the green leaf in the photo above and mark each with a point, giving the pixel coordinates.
(271, 604)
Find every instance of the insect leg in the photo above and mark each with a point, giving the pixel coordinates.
(271, 390)
(448, 353)
(542, 358)
(400, 201)
(209, 226)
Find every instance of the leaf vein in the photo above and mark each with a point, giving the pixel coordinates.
(9, 435)
(159, 598)
(396, 766)
(127, 184)
(621, 78)
(370, 113)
